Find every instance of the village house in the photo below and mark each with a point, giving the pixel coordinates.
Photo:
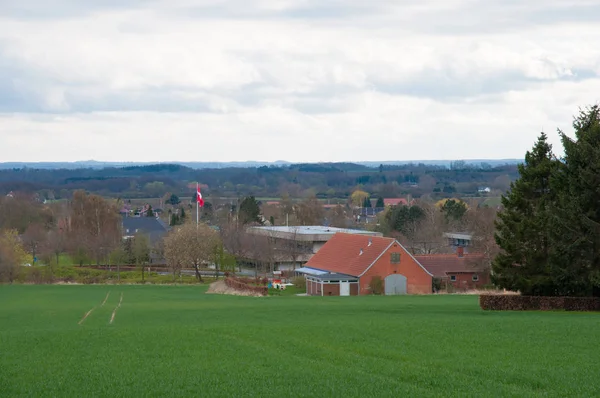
(348, 264)
(460, 271)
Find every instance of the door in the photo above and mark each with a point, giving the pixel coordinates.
(344, 288)
(395, 284)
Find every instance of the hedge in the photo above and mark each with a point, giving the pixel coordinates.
(245, 285)
(538, 303)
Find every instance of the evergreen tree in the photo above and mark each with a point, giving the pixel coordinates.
(182, 214)
(173, 200)
(524, 225)
(367, 202)
(454, 210)
(249, 210)
(577, 238)
(150, 212)
(380, 202)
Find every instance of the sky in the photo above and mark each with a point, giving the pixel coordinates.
(296, 80)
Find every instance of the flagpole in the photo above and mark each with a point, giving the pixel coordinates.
(197, 207)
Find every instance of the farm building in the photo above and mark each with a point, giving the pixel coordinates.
(460, 270)
(297, 244)
(347, 264)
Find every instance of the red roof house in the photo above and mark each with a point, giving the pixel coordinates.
(347, 264)
(462, 271)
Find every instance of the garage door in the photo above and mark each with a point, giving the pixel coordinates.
(395, 284)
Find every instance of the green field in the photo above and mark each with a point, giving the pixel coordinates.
(176, 341)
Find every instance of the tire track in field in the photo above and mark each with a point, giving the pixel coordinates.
(112, 317)
(93, 308)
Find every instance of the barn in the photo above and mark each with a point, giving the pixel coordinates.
(347, 265)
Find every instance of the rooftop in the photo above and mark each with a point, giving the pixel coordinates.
(334, 277)
(440, 265)
(349, 254)
(308, 232)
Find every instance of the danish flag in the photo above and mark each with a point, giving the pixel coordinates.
(199, 196)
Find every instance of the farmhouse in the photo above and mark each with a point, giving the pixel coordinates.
(297, 244)
(461, 271)
(348, 264)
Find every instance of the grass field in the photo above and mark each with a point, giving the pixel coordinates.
(176, 341)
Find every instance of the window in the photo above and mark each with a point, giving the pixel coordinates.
(475, 278)
(453, 278)
(395, 258)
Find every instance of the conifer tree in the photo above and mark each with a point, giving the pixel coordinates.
(380, 202)
(577, 238)
(523, 226)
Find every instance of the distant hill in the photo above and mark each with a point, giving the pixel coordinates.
(93, 164)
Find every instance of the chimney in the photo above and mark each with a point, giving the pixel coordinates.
(460, 251)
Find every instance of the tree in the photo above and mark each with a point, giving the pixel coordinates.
(173, 200)
(380, 204)
(191, 245)
(576, 237)
(95, 227)
(524, 226)
(249, 211)
(405, 220)
(57, 243)
(454, 210)
(223, 261)
(358, 197)
(140, 250)
(149, 212)
(338, 217)
(367, 202)
(120, 256)
(310, 212)
(235, 240)
(34, 238)
(427, 237)
(12, 255)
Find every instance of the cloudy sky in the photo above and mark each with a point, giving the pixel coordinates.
(299, 80)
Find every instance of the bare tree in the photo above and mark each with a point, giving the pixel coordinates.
(57, 243)
(34, 239)
(95, 226)
(310, 211)
(338, 217)
(428, 234)
(236, 240)
(191, 245)
(481, 223)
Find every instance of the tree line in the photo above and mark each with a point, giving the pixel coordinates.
(329, 180)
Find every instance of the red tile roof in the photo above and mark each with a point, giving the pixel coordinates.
(440, 265)
(341, 253)
(395, 201)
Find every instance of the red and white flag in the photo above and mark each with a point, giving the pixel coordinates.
(199, 196)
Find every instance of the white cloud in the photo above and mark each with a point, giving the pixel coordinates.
(299, 79)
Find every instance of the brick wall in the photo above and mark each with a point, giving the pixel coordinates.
(418, 280)
(464, 280)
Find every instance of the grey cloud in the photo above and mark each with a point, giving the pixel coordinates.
(55, 9)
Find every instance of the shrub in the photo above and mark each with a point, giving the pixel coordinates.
(376, 285)
(538, 303)
(299, 282)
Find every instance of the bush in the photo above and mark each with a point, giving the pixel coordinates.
(376, 285)
(299, 282)
(538, 303)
